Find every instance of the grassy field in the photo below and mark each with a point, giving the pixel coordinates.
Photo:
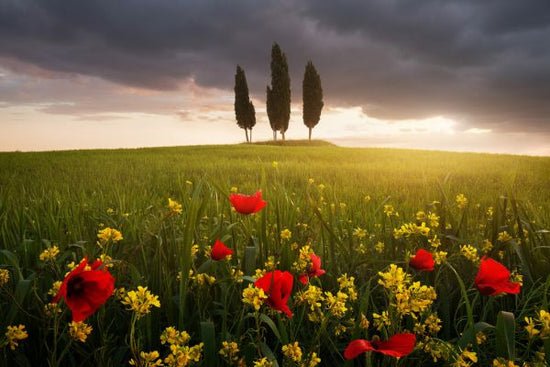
(347, 205)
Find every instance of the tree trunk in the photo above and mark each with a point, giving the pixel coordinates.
(246, 133)
(251, 135)
(283, 134)
(275, 135)
(310, 134)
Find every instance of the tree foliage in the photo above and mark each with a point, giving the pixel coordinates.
(245, 113)
(278, 94)
(312, 93)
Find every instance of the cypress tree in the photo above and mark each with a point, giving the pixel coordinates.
(312, 94)
(278, 95)
(244, 109)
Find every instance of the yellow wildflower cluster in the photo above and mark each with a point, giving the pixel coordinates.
(465, 359)
(4, 277)
(237, 275)
(230, 352)
(14, 334)
(286, 234)
(364, 322)
(381, 320)
(347, 285)
(79, 331)
(436, 348)
(461, 201)
(171, 335)
(54, 290)
(360, 232)
(542, 321)
(292, 351)
(313, 297)
(390, 211)
(271, 263)
(501, 362)
(433, 219)
(109, 234)
(504, 237)
(481, 337)
(336, 304)
(254, 297)
(263, 362)
(379, 247)
(312, 360)
(394, 278)
(147, 359)
(303, 263)
(140, 301)
(470, 253)
(174, 206)
(433, 324)
(409, 229)
(486, 246)
(439, 257)
(49, 254)
(51, 309)
(201, 279)
(414, 299)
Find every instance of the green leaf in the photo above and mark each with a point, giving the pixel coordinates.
(249, 260)
(22, 289)
(505, 335)
(269, 354)
(208, 336)
(267, 320)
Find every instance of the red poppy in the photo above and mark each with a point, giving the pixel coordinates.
(314, 271)
(220, 251)
(85, 291)
(494, 278)
(398, 345)
(422, 261)
(247, 204)
(278, 286)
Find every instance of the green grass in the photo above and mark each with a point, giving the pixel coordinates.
(63, 198)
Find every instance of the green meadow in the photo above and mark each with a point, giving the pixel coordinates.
(347, 205)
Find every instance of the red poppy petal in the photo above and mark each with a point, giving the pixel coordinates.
(220, 251)
(494, 278)
(422, 261)
(97, 287)
(303, 279)
(356, 347)
(398, 345)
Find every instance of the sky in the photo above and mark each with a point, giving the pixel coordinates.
(459, 75)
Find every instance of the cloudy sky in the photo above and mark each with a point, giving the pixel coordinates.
(454, 75)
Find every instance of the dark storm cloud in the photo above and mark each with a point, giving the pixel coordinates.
(486, 64)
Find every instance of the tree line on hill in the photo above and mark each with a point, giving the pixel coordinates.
(278, 97)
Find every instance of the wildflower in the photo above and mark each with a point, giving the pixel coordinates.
(470, 253)
(420, 216)
(481, 337)
(254, 296)
(51, 309)
(174, 206)
(14, 334)
(49, 254)
(379, 247)
(140, 301)
(183, 355)
(310, 181)
(367, 198)
(247, 204)
(433, 324)
(220, 251)
(360, 233)
(274, 164)
(172, 336)
(230, 351)
(501, 362)
(530, 327)
(110, 211)
(4, 277)
(410, 229)
(439, 257)
(292, 351)
(271, 264)
(544, 319)
(150, 359)
(286, 234)
(494, 278)
(464, 358)
(233, 189)
(381, 320)
(461, 201)
(422, 261)
(486, 246)
(347, 285)
(84, 291)
(433, 219)
(390, 211)
(54, 290)
(237, 275)
(399, 345)
(109, 234)
(278, 286)
(79, 331)
(264, 362)
(504, 237)
(394, 278)
(321, 186)
(312, 296)
(314, 269)
(203, 278)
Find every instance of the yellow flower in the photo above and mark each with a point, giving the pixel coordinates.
(264, 362)
(234, 189)
(394, 278)
(481, 337)
(49, 254)
(390, 211)
(109, 234)
(229, 351)
(420, 216)
(434, 219)
(274, 164)
(409, 229)
(367, 198)
(51, 309)
(188, 183)
(174, 206)
(79, 331)
(501, 362)
(254, 297)
(486, 246)
(292, 351)
(544, 319)
(381, 320)
(470, 253)
(54, 290)
(150, 359)
(183, 355)
(433, 324)
(439, 257)
(271, 264)
(336, 305)
(4, 277)
(110, 211)
(504, 237)
(314, 360)
(310, 181)
(286, 234)
(364, 322)
(237, 275)
(461, 201)
(172, 336)
(321, 186)
(359, 233)
(140, 301)
(14, 334)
